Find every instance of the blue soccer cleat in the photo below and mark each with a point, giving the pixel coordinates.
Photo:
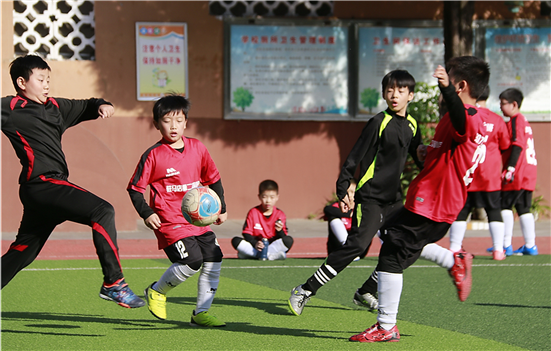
(508, 250)
(121, 294)
(523, 250)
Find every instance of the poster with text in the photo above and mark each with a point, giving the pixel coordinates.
(161, 59)
(384, 49)
(521, 58)
(289, 70)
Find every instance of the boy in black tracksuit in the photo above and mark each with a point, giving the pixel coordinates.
(380, 152)
(34, 124)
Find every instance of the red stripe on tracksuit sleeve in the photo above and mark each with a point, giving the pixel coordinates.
(30, 155)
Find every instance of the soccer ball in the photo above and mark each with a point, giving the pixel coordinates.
(201, 206)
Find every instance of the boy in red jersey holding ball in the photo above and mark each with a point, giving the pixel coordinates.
(171, 167)
(267, 222)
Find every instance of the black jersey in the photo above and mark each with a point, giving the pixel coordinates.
(35, 131)
(380, 152)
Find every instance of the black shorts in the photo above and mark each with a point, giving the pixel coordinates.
(480, 199)
(202, 248)
(520, 199)
(404, 239)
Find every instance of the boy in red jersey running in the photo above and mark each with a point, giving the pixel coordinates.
(265, 225)
(436, 195)
(171, 167)
(34, 123)
(519, 173)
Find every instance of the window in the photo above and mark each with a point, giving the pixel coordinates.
(56, 30)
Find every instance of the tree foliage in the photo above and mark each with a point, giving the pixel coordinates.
(369, 98)
(425, 109)
(242, 98)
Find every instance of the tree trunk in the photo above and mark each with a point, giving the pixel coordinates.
(458, 31)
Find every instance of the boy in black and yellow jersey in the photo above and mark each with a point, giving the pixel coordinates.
(381, 153)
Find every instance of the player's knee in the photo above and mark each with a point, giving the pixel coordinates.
(288, 241)
(195, 265)
(212, 269)
(522, 210)
(494, 215)
(235, 241)
(464, 214)
(105, 211)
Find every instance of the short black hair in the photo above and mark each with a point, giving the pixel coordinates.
(23, 67)
(398, 78)
(485, 94)
(512, 94)
(170, 103)
(267, 184)
(475, 71)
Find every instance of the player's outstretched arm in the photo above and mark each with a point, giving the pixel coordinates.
(456, 108)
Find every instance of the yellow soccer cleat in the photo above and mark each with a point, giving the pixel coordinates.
(156, 302)
(204, 319)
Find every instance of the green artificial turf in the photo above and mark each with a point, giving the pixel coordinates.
(54, 305)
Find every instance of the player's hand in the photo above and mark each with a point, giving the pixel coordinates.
(153, 222)
(442, 76)
(222, 217)
(279, 225)
(422, 152)
(346, 204)
(508, 175)
(106, 111)
(259, 245)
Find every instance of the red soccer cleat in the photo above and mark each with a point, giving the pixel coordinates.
(461, 274)
(377, 334)
(498, 255)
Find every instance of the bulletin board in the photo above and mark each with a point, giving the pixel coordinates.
(161, 60)
(519, 55)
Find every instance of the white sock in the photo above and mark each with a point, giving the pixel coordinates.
(528, 227)
(389, 290)
(246, 248)
(508, 223)
(277, 246)
(339, 230)
(207, 285)
(497, 231)
(172, 277)
(457, 233)
(439, 255)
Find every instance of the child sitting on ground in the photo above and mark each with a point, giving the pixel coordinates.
(264, 221)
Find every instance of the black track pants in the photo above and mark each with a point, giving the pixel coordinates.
(52, 200)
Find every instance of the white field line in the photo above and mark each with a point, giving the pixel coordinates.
(285, 267)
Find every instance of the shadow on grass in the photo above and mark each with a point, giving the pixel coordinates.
(272, 330)
(271, 306)
(150, 325)
(508, 306)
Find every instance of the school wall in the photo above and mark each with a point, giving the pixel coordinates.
(303, 157)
